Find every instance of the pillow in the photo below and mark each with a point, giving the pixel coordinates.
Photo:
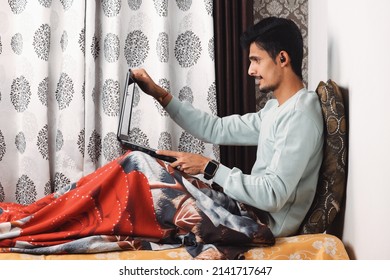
(332, 178)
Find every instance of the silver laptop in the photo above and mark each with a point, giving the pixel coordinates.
(124, 130)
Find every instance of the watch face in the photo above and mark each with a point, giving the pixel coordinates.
(210, 169)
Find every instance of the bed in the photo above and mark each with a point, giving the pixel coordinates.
(311, 242)
(300, 247)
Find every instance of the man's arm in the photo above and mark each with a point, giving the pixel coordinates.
(230, 130)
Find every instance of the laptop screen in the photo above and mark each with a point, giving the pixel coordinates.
(126, 108)
(129, 137)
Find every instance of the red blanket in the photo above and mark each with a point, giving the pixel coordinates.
(132, 203)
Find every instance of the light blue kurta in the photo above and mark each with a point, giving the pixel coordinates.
(289, 138)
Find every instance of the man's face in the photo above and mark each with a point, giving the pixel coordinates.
(264, 69)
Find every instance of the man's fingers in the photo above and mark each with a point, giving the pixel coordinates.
(174, 154)
(179, 163)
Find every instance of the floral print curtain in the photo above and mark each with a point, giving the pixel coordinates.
(62, 70)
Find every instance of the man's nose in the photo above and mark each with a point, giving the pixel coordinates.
(251, 71)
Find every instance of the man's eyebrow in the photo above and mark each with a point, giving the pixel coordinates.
(254, 57)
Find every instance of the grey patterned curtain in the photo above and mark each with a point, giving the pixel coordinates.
(62, 68)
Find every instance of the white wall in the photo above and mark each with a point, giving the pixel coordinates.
(358, 59)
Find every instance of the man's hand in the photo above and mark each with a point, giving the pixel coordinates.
(189, 163)
(147, 85)
(144, 81)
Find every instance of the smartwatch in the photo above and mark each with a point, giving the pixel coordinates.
(211, 169)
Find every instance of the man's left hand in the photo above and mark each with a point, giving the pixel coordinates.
(189, 163)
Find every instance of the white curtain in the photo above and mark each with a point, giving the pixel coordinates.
(62, 70)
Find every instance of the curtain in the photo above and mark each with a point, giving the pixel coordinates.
(62, 70)
(235, 88)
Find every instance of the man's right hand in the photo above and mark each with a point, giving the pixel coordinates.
(148, 86)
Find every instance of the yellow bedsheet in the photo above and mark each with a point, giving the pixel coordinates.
(300, 247)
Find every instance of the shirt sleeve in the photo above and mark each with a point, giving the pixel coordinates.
(230, 130)
(296, 140)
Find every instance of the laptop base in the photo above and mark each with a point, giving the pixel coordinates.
(151, 152)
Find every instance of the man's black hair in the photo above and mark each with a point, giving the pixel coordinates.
(274, 35)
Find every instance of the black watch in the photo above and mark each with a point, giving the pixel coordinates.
(211, 169)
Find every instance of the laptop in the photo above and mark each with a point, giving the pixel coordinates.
(124, 130)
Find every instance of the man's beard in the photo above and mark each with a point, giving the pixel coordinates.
(266, 89)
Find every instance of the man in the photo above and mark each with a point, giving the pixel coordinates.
(288, 130)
